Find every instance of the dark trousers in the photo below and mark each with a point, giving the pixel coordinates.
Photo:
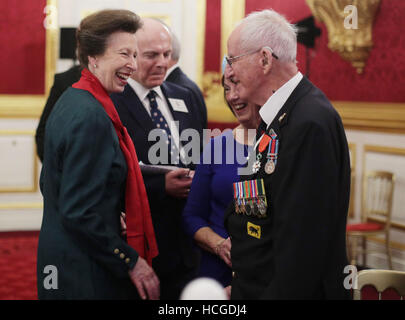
(172, 284)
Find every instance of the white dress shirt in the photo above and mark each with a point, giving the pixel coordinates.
(276, 101)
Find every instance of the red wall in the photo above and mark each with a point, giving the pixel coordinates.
(383, 79)
(22, 54)
(212, 53)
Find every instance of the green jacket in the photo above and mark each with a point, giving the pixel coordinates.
(83, 184)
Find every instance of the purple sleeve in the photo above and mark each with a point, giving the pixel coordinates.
(198, 207)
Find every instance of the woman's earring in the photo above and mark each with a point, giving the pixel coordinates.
(95, 66)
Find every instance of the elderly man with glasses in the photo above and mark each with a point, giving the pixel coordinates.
(287, 222)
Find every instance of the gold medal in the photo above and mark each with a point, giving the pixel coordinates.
(269, 167)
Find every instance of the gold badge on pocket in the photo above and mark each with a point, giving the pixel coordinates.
(254, 230)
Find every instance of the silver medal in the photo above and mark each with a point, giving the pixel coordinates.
(269, 167)
(262, 208)
(256, 166)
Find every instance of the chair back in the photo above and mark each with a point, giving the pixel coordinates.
(380, 280)
(378, 189)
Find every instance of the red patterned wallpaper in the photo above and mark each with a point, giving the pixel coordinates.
(383, 79)
(22, 54)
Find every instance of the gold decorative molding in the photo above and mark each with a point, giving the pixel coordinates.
(19, 205)
(372, 116)
(386, 150)
(21, 106)
(349, 31)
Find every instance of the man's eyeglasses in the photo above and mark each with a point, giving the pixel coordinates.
(233, 59)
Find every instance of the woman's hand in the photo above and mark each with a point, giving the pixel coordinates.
(223, 250)
(228, 290)
(209, 240)
(145, 280)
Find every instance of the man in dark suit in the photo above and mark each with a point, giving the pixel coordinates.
(290, 243)
(62, 81)
(142, 111)
(176, 75)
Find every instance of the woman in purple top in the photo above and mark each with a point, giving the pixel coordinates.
(211, 190)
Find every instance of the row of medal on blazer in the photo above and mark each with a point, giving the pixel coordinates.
(250, 196)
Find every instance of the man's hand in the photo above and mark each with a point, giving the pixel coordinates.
(145, 280)
(178, 182)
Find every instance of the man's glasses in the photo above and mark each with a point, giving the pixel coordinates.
(234, 59)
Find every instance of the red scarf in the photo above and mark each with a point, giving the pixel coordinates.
(140, 233)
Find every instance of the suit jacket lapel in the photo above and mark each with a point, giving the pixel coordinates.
(281, 118)
(137, 109)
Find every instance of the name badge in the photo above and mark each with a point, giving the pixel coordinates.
(178, 105)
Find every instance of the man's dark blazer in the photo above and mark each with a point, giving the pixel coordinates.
(62, 81)
(301, 251)
(177, 76)
(175, 248)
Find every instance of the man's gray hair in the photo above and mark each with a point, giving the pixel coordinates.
(176, 48)
(269, 28)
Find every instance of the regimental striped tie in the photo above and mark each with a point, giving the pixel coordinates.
(160, 122)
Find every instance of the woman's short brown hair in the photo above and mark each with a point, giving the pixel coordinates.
(94, 30)
(223, 86)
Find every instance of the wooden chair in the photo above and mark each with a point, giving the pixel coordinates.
(380, 280)
(378, 189)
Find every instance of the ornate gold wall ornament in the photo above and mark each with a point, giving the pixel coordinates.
(353, 44)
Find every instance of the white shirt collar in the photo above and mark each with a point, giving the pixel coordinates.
(169, 71)
(142, 92)
(276, 101)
